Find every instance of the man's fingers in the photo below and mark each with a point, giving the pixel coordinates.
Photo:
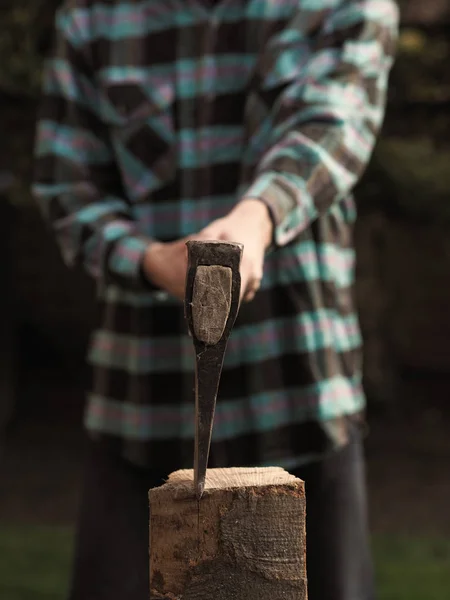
(253, 286)
(213, 231)
(202, 236)
(250, 280)
(194, 237)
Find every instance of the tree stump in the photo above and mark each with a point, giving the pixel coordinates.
(244, 540)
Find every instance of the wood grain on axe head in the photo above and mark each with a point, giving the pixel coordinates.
(211, 302)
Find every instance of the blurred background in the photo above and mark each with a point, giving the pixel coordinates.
(403, 292)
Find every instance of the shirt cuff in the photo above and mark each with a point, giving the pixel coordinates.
(284, 201)
(125, 263)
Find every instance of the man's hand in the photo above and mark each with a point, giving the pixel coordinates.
(249, 223)
(165, 265)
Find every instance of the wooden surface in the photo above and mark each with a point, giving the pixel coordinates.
(211, 302)
(245, 540)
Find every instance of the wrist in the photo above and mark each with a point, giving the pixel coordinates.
(258, 213)
(150, 262)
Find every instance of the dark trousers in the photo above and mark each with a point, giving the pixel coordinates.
(111, 555)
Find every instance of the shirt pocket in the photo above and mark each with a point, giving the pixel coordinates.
(279, 69)
(140, 118)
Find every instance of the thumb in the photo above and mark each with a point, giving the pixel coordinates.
(213, 231)
(194, 237)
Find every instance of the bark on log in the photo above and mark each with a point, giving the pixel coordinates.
(244, 540)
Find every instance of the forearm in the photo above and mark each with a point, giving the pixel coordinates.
(327, 116)
(93, 230)
(76, 182)
(296, 192)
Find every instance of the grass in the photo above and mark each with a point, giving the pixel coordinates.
(412, 568)
(35, 564)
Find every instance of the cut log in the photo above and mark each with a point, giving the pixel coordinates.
(244, 540)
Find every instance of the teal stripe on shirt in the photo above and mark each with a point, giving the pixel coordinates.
(251, 344)
(264, 411)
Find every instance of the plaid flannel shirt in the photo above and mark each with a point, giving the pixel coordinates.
(157, 118)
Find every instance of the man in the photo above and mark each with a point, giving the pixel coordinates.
(241, 120)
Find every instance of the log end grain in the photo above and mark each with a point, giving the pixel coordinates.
(244, 540)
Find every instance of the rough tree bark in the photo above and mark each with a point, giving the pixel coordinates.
(244, 540)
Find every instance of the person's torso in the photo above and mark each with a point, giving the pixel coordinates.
(181, 92)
